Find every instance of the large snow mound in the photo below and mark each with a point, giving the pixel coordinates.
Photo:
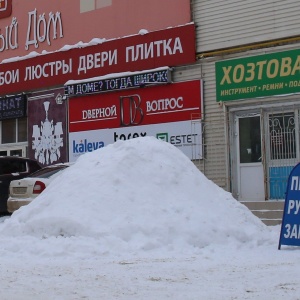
(141, 194)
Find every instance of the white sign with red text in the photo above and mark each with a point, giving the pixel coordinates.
(185, 135)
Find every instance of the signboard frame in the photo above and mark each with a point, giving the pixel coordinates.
(117, 82)
(164, 111)
(290, 227)
(168, 47)
(12, 107)
(263, 75)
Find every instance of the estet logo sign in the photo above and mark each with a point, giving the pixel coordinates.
(178, 140)
(5, 8)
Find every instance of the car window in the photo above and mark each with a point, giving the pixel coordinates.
(47, 172)
(33, 166)
(12, 166)
(18, 166)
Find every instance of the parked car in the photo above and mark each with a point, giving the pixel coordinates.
(23, 191)
(11, 168)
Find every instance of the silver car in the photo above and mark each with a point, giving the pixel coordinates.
(23, 191)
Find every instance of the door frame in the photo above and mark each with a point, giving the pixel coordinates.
(252, 170)
(283, 166)
(236, 179)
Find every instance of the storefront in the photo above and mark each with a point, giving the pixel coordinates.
(149, 104)
(40, 52)
(13, 123)
(261, 94)
(47, 127)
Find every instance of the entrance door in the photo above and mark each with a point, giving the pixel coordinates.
(282, 150)
(249, 161)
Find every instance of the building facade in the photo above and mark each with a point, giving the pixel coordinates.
(76, 89)
(248, 56)
(218, 79)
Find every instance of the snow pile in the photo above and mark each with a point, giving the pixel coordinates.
(93, 42)
(143, 31)
(80, 44)
(18, 58)
(141, 194)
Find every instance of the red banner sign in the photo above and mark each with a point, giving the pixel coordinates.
(145, 106)
(170, 47)
(5, 8)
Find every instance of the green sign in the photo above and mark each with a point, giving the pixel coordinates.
(258, 76)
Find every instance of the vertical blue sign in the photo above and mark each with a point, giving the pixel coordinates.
(290, 228)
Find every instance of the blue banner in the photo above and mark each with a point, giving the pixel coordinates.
(290, 228)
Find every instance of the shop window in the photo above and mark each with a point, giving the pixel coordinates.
(89, 5)
(14, 131)
(22, 130)
(8, 131)
(250, 140)
(282, 136)
(8, 167)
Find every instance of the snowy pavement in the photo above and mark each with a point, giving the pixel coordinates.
(137, 220)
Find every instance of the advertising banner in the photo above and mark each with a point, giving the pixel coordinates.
(290, 227)
(258, 76)
(47, 131)
(150, 105)
(169, 47)
(13, 107)
(184, 135)
(116, 82)
(170, 112)
(34, 25)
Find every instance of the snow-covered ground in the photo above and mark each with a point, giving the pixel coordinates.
(137, 220)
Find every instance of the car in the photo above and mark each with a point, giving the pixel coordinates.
(24, 191)
(11, 168)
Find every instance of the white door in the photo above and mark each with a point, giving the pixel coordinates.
(250, 172)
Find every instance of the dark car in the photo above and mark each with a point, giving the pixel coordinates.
(12, 168)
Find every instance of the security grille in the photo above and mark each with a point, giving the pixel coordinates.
(282, 141)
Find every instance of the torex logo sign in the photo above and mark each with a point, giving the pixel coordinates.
(5, 8)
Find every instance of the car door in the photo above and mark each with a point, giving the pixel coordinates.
(9, 170)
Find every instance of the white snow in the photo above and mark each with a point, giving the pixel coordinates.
(143, 31)
(137, 220)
